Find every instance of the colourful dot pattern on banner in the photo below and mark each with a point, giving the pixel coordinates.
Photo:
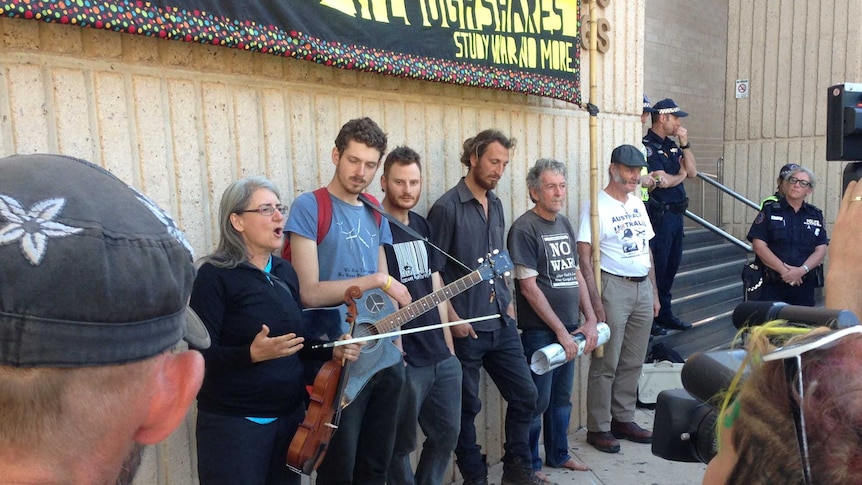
(198, 26)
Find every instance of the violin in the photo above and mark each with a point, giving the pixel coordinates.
(309, 443)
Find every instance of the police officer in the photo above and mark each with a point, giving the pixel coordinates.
(670, 164)
(789, 239)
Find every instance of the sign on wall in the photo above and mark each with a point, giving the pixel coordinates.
(528, 46)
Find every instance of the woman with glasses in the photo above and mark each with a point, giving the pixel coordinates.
(789, 239)
(253, 396)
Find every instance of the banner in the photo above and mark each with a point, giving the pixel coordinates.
(528, 46)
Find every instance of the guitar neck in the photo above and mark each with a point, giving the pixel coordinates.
(428, 302)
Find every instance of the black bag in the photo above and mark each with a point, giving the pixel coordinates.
(660, 352)
(752, 281)
(819, 276)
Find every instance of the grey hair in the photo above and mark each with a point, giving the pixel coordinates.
(534, 176)
(231, 250)
(811, 176)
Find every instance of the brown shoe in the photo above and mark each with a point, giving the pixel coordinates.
(603, 441)
(630, 431)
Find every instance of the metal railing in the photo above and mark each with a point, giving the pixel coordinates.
(707, 179)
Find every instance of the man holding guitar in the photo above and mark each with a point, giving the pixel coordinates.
(468, 222)
(351, 254)
(433, 372)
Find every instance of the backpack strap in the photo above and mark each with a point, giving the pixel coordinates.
(324, 213)
(372, 202)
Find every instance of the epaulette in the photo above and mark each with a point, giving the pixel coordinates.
(812, 207)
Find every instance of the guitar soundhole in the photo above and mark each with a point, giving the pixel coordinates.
(364, 329)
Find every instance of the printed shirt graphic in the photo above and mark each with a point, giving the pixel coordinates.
(562, 260)
(412, 259)
(624, 234)
(351, 247)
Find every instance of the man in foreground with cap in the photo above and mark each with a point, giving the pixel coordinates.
(628, 302)
(94, 282)
(780, 190)
(670, 165)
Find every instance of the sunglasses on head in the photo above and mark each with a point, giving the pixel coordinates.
(791, 356)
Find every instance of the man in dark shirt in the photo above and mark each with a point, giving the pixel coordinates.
(468, 224)
(550, 292)
(433, 373)
(670, 164)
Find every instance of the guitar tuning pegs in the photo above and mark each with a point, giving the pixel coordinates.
(495, 252)
(481, 260)
(507, 274)
(490, 282)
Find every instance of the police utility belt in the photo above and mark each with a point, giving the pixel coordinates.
(678, 208)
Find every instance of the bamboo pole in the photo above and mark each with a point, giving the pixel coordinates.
(594, 165)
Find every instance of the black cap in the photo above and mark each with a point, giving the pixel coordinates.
(629, 156)
(92, 272)
(668, 107)
(785, 170)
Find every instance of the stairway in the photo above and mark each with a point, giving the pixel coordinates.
(705, 292)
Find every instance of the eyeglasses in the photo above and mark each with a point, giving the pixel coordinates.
(802, 183)
(791, 355)
(268, 210)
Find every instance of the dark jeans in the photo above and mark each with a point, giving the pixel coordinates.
(232, 449)
(666, 249)
(431, 396)
(501, 354)
(361, 447)
(553, 406)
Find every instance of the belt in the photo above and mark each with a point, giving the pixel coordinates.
(676, 208)
(633, 279)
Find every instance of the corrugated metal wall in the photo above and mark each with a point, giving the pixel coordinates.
(182, 121)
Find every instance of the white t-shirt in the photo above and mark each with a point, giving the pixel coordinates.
(624, 234)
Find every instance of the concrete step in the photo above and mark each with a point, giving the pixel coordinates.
(706, 290)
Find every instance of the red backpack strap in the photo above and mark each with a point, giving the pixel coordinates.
(324, 213)
(324, 220)
(377, 216)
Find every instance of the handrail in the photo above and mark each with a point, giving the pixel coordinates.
(728, 191)
(712, 227)
(721, 232)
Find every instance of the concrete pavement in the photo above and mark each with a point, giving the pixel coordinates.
(633, 465)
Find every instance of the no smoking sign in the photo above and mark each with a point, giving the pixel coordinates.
(742, 88)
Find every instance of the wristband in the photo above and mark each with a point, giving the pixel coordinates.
(388, 283)
(805, 267)
(686, 146)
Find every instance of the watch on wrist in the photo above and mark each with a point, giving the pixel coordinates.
(687, 145)
(805, 267)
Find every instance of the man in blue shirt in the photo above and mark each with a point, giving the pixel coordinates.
(351, 254)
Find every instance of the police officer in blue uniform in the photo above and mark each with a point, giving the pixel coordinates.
(670, 164)
(789, 239)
